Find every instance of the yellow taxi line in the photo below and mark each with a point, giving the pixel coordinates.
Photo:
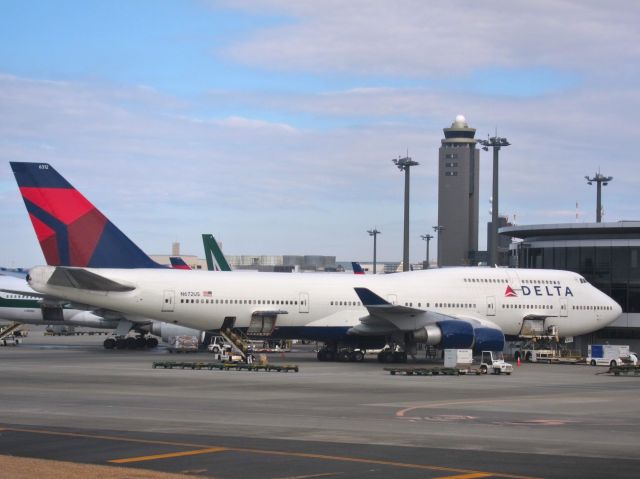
(127, 460)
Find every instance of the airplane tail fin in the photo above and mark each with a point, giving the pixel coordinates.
(357, 268)
(215, 259)
(178, 263)
(71, 231)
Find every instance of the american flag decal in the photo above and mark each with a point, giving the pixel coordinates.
(207, 294)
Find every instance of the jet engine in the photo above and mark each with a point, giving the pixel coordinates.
(459, 334)
(166, 331)
(90, 320)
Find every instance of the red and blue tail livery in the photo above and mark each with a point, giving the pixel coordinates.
(178, 263)
(71, 231)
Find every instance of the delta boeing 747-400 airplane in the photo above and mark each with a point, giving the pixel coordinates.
(466, 307)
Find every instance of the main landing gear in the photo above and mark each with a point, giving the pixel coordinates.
(389, 356)
(137, 342)
(342, 355)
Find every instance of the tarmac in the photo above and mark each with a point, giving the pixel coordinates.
(68, 399)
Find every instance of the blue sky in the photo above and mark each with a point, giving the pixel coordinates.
(178, 118)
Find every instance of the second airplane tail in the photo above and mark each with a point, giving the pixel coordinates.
(71, 231)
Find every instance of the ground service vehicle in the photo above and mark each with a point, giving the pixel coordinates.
(611, 355)
(494, 363)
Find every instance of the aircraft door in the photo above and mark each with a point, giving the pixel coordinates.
(168, 298)
(564, 307)
(304, 303)
(491, 306)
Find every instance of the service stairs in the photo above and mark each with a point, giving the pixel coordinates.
(239, 342)
(9, 329)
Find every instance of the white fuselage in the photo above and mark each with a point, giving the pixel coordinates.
(202, 299)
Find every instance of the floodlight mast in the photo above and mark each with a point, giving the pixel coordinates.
(495, 142)
(600, 181)
(374, 232)
(405, 164)
(439, 229)
(427, 238)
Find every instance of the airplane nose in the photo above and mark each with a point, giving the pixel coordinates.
(617, 309)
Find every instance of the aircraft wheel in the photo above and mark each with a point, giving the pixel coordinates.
(109, 343)
(141, 342)
(152, 343)
(357, 356)
(399, 357)
(388, 357)
(130, 343)
(121, 343)
(343, 356)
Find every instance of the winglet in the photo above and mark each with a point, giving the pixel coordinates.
(369, 298)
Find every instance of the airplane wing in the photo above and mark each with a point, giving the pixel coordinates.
(82, 279)
(384, 316)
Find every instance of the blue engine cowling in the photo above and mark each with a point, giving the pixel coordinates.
(488, 339)
(456, 334)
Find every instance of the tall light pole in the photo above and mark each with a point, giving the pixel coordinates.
(374, 232)
(439, 229)
(405, 164)
(427, 238)
(496, 143)
(600, 181)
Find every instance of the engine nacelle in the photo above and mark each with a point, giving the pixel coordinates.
(166, 331)
(488, 339)
(90, 320)
(446, 334)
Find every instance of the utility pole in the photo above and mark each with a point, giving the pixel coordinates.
(405, 164)
(496, 143)
(374, 232)
(439, 229)
(427, 238)
(600, 181)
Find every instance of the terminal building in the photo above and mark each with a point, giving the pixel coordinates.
(269, 263)
(606, 254)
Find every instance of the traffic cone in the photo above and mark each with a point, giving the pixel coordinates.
(518, 361)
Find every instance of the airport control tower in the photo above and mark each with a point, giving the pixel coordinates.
(458, 185)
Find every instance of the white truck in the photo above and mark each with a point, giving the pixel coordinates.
(494, 363)
(611, 355)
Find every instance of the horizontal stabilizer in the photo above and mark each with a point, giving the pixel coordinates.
(83, 279)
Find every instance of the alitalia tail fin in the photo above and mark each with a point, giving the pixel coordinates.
(215, 259)
(71, 231)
